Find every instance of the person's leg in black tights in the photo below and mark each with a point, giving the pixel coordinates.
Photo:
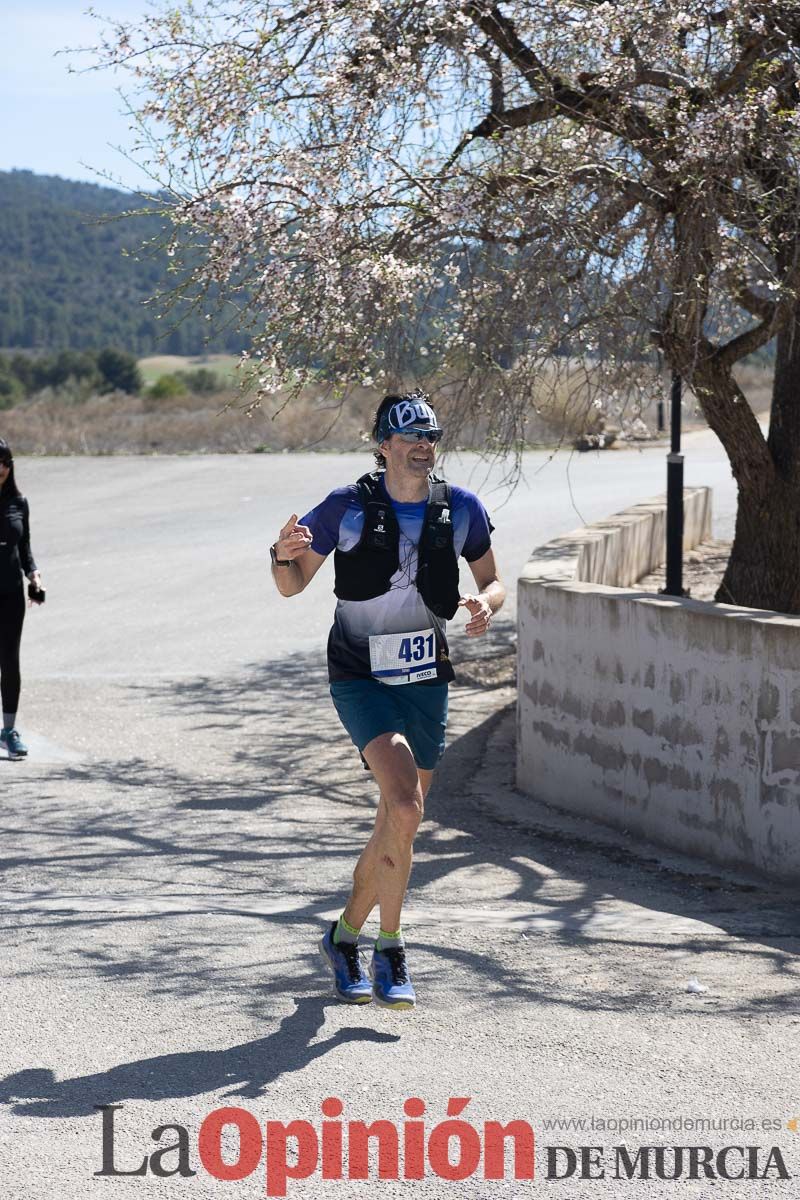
(12, 614)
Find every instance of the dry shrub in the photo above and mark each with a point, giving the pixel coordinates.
(123, 424)
(631, 404)
(561, 407)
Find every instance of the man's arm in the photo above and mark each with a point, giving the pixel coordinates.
(491, 595)
(294, 544)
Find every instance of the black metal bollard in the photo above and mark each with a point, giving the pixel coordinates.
(674, 583)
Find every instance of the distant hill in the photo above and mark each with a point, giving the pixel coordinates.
(65, 282)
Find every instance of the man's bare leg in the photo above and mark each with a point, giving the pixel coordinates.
(381, 873)
(364, 895)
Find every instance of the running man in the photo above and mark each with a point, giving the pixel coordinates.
(396, 536)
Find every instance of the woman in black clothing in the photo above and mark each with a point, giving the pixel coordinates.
(15, 557)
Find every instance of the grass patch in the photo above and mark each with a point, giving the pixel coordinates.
(157, 365)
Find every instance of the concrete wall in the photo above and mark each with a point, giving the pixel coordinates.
(623, 548)
(672, 718)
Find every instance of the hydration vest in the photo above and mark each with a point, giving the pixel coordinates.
(366, 571)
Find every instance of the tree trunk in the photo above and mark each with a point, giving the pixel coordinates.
(764, 567)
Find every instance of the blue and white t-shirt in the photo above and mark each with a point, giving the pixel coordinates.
(337, 523)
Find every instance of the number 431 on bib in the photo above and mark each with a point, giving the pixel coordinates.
(403, 657)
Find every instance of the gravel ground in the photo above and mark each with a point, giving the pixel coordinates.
(703, 569)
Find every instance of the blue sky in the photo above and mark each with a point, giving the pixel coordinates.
(54, 122)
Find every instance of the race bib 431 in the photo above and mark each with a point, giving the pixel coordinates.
(403, 657)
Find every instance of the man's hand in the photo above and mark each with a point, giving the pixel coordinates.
(480, 614)
(293, 539)
(294, 546)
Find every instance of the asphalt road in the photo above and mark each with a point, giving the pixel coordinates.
(190, 814)
(156, 565)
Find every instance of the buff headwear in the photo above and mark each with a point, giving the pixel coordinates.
(408, 414)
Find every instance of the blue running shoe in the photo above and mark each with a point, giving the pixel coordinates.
(391, 985)
(13, 743)
(349, 980)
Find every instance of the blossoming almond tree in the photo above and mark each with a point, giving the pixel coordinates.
(493, 184)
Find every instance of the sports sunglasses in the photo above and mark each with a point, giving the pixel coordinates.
(418, 435)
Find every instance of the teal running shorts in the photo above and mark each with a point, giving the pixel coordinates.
(368, 708)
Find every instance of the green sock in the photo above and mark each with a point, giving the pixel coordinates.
(387, 940)
(344, 932)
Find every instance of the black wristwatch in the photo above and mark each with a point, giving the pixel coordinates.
(279, 562)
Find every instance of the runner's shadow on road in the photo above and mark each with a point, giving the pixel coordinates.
(286, 752)
(244, 1071)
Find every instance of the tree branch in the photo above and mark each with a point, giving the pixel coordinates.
(601, 104)
(498, 121)
(669, 81)
(497, 93)
(729, 415)
(745, 343)
(630, 192)
(737, 76)
(750, 301)
(501, 30)
(484, 234)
